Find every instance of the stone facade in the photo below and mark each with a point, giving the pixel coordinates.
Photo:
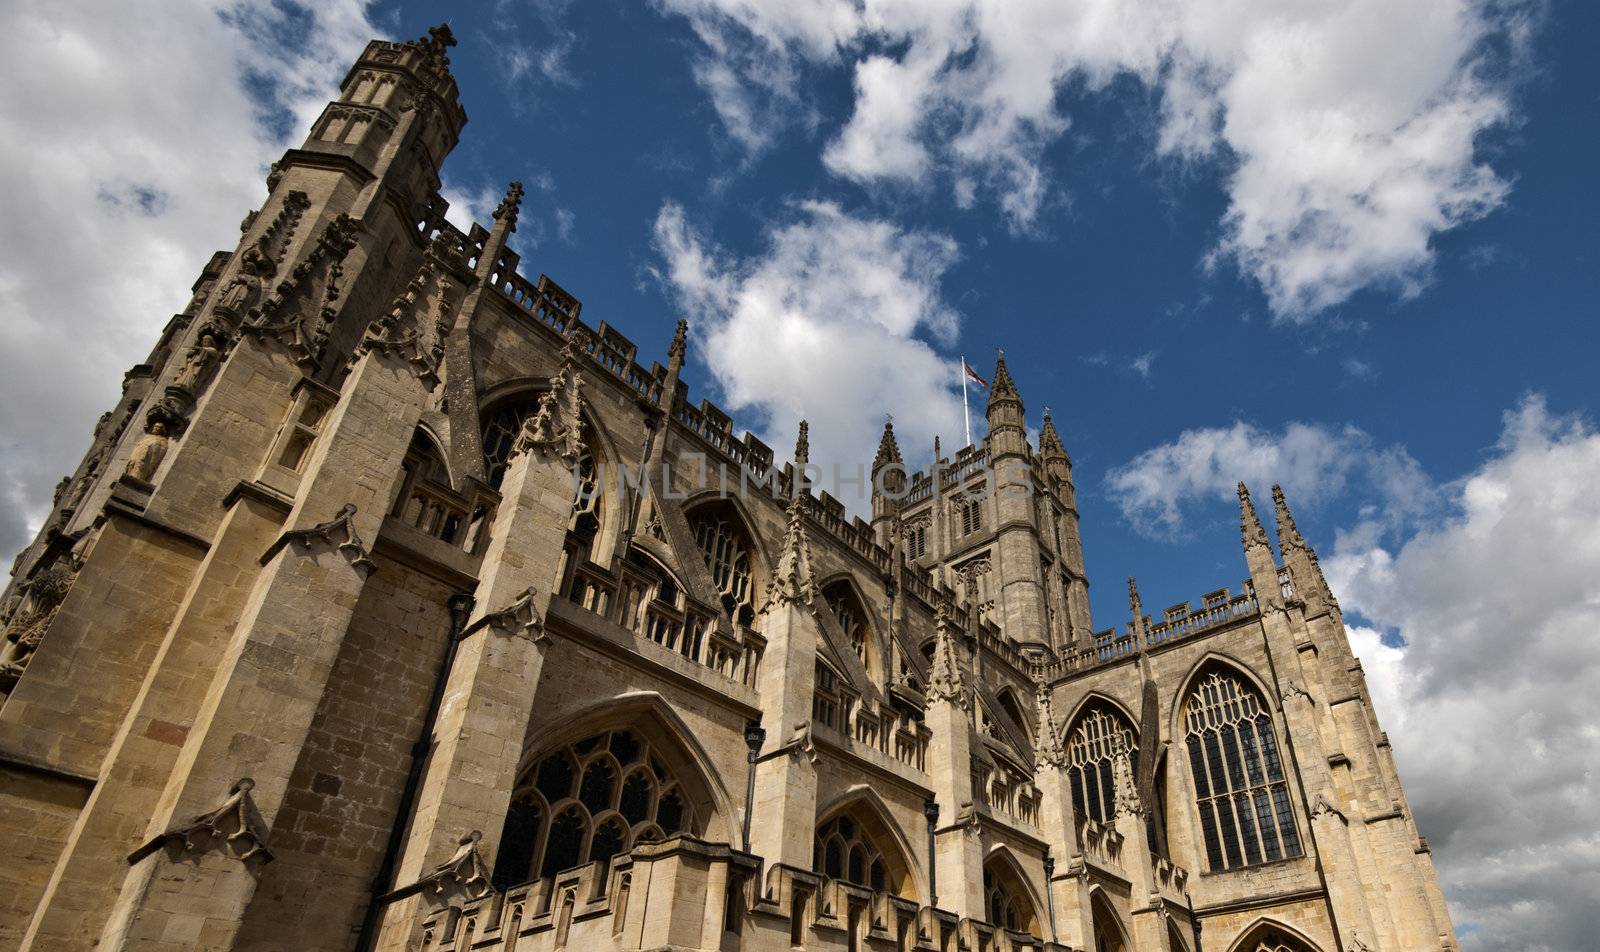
(396, 607)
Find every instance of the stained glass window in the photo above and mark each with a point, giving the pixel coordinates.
(1100, 733)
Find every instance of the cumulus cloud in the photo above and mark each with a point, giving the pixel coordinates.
(1487, 681)
(1313, 462)
(830, 322)
(136, 136)
(1347, 129)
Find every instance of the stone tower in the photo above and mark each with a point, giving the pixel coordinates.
(358, 628)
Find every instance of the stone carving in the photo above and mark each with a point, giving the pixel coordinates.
(1047, 749)
(148, 452)
(1127, 794)
(1291, 691)
(802, 744)
(236, 825)
(300, 313)
(520, 618)
(210, 345)
(41, 599)
(945, 681)
(464, 872)
(1323, 806)
(557, 426)
(406, 333)
(258, 263)
(340, 532)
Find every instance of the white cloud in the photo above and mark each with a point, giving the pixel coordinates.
(1313, 462)
(830, 322)
(1348, 128)
(1490, 703)
(136, 136)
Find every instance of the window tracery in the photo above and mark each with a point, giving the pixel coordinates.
(844, 851)
(500, 433)
(852, 618)
(586, 802)
(1272, 939)
(1099, 735)
(1241, 792)
(727, 555)
(1005, 902)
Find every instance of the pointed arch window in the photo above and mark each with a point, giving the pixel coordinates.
(852, 617)
(726, 551)
(1240, 789)
(856, 846)
(587, 802)
(1005, 899)
(1099, 735)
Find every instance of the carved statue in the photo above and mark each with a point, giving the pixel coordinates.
(42, 599)
(205, 354)
(255, 269)
(149, 452)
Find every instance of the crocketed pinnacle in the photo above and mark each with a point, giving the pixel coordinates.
(1250, 526)
(945, 681)
(680, 342)
(791, 581)
(888, 448)
(802, 445)
(1047, 749)
(1289, 536)
(1002, 387)
(506, 211)
(1050, 444)
(1135, 606)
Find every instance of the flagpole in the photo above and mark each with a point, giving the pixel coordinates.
(966, 413)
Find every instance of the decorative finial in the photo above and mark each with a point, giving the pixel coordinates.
(791, 582)
(802, 445)
(507, 210)
(1134, 604)
(945, 682)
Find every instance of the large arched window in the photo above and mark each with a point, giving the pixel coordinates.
(1240, 788)
(855, 846)
(726, 550)
(588, 801)
(1100, 733)
(1005, 898)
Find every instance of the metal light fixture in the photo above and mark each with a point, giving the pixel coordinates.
(754, 736)
(930, 809)
(1049, 890)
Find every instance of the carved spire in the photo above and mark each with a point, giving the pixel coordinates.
(1304, 569)
(1002, 386)
(802, 445)
(1288, 533)
(1249, 524)
(945, 681)
(678, 347)
(1050, 445)
(506, 213)
(792, 581)
(1047, 749)
(1137, 608)
(888, 447)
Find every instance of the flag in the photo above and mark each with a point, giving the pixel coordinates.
(973, 374)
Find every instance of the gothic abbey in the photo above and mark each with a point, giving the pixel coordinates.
(391, 608)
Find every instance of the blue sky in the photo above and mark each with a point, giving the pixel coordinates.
(1347, 245)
